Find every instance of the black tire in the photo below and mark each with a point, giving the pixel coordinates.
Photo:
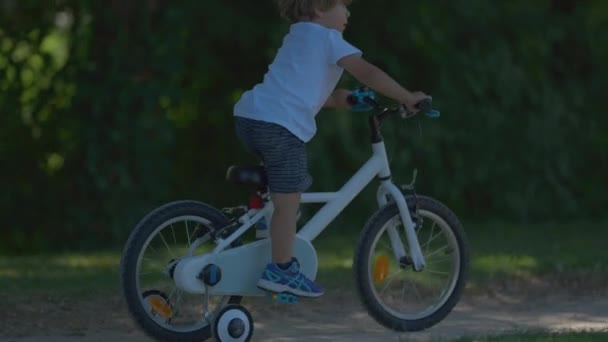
(130, 258)
(362, 263)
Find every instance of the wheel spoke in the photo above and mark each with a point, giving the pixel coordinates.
(148, 259)
(171, 294)
(421, 224)
(178, 302)
(188, 234)
(436, 272)
(438, 250)
(431, 238)
(153, 249)
(168, 248)
(418, 296)
(389, 280)
(387, 247)
(173, 232)
(437, 261)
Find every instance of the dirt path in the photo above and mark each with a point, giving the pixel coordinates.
(336, 317)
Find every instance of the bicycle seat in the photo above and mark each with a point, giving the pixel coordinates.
(247, 175)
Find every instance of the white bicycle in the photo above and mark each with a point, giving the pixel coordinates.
(185, 267)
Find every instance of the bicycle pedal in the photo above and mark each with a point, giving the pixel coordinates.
(283, 297)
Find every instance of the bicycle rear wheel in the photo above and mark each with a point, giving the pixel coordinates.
(154, 247)
(394, 294)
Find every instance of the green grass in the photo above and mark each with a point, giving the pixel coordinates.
(62, 274)
(543, 337)
(499, 252)
(566, 251)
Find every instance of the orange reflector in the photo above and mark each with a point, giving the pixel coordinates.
(161, 307)
(381, 268)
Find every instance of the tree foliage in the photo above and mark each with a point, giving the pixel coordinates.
(110, 108)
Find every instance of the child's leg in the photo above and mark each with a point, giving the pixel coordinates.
(283, 274)
(283, 226)
(284, 156)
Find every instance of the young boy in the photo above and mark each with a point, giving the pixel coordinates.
(276, 118)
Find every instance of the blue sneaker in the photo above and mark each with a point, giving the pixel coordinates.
(290, 280)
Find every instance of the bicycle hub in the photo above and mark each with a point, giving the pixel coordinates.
(211, 275)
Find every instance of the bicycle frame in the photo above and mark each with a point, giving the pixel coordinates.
(378, 166)
(243, 264)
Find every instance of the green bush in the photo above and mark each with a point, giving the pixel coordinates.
(108, 109)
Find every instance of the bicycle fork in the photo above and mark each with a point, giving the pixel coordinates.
(387, 188)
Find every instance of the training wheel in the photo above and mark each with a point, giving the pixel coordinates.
(233, 323)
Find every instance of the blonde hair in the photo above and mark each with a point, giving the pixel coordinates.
(296, 10)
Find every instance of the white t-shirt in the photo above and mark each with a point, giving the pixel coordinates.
(299, 81)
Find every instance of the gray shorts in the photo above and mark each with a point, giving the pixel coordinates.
(283, 154)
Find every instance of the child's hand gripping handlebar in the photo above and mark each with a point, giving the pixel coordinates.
(363, 99)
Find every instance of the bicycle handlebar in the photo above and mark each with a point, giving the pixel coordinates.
(363, 96)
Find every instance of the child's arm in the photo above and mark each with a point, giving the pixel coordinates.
(378, 80)
(338, 99)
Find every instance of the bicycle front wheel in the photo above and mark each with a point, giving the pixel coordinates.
(393, 293)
